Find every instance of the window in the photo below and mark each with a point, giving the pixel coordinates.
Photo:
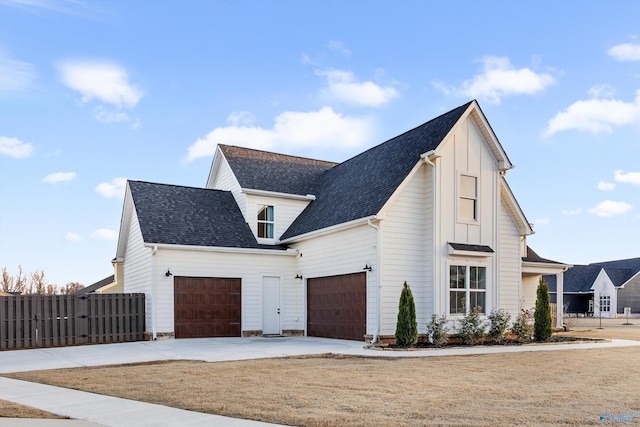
(467, 288)
(265, 222)
(605, 303)
(468, 201)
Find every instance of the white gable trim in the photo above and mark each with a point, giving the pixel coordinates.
(254, 192)
(215, 167)
(125, 221)
(330, 230)
(514, 208)
(630, 279)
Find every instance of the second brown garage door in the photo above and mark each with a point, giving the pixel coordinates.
(337, 306)
(207, 307)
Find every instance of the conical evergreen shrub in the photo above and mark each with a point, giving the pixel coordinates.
(542, 326)
(407, 326)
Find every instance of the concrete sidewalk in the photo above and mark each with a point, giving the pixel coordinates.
(111, 411)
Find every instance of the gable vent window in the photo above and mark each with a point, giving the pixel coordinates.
(265, 222)
(468, 202)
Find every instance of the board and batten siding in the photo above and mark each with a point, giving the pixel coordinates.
(342, 252)
(465, 152)
(510, 272)
(251, 268)
(406, 248)
(137, 265)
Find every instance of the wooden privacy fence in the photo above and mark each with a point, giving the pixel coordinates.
(28, 321)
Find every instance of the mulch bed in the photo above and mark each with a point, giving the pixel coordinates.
(457, 343)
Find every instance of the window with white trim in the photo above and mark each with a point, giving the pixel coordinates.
(467, 288)
(605, 303)
(265, 221)
(468, 198)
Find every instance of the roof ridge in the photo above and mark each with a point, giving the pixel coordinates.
(279, 154)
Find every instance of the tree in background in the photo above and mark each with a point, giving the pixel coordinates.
(542, 327)
(407, 326)
(34, 284)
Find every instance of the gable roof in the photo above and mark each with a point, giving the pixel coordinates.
(97, 285)
(580, 278)
(262, 170)
(178, 215)
(359, 187)
(532, 256)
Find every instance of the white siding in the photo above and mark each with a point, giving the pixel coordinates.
(343, 252)
(510, 274)
(406, 251)
(226, 180)
(285, 211)
(466, 152)
(249, 267)
(137, 265)
(529, 291)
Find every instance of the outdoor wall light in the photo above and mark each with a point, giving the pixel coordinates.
(168, 273)
(367, 267)
(299, 276)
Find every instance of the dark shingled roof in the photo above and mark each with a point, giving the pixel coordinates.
(95, 286)
(534, 257)
(360, 186)
(262, 170)
(471, 248)
(177, 215)
(580, 278)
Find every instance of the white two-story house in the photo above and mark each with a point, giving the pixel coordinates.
(278, 244)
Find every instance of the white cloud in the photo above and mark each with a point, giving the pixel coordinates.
(115, 188)
(111, 116)
(340, 47)
(15, 148)
(104, 234)
(627, 178)
(595, 115)
(609, 208)
(323, 128)
(103, 81)
(240, 118)
(344, 87)
(573, 212)
(56, 177)
(499, 79)
(606, 186)
(15, 75)
(72, 237)
(625, 52)
(542, 221)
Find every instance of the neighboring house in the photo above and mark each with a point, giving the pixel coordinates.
(602, 288)
(278, 244)
(98, 286)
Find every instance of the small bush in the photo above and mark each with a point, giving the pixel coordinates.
(499, 323)
(542, 327)
(471, 329)
(522, 328)
(407, 326)
(437, 330)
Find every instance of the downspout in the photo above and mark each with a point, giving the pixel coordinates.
(153, 292)
(434, 226)
(379, 263)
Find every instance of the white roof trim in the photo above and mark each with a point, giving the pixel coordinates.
(524, 225)
(254, 192)
(288, 252)
(330, 230)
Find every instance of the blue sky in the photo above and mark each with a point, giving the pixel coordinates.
(93, 93)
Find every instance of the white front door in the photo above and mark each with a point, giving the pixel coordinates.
(271, 305)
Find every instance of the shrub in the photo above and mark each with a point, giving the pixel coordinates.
(542, 327)
(521, 328)
(407, 327)
(471, 328)
(499, 323)
(437, 330)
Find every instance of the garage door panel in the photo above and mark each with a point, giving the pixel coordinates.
(207, 307)
(336, 306)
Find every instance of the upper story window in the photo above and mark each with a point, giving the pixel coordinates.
(468, 198)
(467, 289)
(265, 222)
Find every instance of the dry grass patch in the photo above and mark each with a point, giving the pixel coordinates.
(15, 410)
(542, 388)
(611, 328)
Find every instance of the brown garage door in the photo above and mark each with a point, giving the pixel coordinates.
(207, 307)
(337, 306)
